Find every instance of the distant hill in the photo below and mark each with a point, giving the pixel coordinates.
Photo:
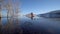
(51, 14)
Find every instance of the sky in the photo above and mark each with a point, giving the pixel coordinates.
(38, 6)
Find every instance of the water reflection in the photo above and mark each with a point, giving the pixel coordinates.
(30, 26)
(0, 21)
(11, 27)
(0, 26)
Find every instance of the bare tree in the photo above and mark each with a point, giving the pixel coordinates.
(1, 1)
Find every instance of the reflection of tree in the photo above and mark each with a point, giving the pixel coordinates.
(0, 21)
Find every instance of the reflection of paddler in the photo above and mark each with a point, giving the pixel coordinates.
(0, 18)
(32, 15)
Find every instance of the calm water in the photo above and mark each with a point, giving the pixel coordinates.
(37, 25)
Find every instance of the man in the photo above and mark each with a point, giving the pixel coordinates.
(32, 15)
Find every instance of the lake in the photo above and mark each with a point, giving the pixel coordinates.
(25, 25)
